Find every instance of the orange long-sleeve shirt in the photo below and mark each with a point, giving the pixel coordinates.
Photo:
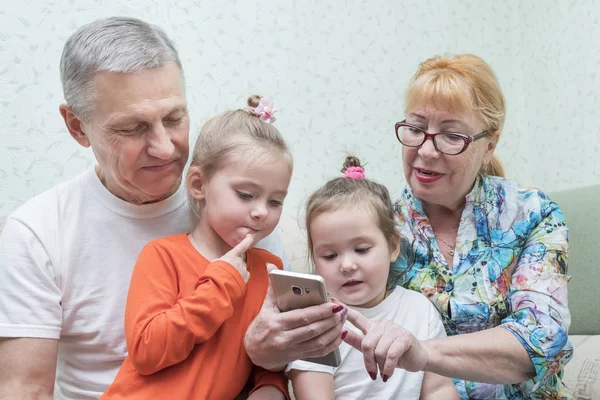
(185, 322)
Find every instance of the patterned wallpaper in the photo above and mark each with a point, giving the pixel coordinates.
(336, 69)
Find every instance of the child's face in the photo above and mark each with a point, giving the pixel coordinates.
(245, 197)
(352, 255)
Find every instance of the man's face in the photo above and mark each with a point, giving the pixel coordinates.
(139, 132)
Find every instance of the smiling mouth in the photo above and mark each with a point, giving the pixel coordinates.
(427, 172)
(158, 167)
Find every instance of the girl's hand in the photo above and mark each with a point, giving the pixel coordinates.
(235, 256)
(386, 346)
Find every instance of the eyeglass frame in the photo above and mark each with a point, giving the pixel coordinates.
(468, 139)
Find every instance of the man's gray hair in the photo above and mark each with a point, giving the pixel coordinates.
(116, 44)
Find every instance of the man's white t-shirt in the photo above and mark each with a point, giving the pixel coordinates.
(66, 259)
(412, 311)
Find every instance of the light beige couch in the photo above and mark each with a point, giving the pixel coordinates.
(582, 212)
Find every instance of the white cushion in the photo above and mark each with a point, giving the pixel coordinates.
(582, 374)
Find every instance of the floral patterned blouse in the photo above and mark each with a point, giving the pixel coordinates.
(509, 269)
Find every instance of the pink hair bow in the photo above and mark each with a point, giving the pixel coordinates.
(355, 173)
(264, 110)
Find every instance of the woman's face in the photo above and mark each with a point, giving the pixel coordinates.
(441, 179)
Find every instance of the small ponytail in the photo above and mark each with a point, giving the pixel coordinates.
(350, 162)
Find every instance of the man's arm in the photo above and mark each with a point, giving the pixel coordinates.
(30, 315)
(27, 368)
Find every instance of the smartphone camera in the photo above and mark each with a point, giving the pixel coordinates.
(297, 290)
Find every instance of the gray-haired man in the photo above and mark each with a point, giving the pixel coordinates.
(67, 255)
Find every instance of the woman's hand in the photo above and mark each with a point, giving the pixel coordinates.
(386, 346)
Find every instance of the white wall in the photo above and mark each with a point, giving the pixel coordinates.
(337, 69)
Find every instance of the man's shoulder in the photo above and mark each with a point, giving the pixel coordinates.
(45, 205)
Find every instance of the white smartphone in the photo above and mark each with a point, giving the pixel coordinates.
(295, 290)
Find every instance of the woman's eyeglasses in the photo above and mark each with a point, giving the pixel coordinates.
(450, 143)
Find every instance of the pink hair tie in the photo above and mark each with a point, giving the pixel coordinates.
(355, 173)
(264, 110)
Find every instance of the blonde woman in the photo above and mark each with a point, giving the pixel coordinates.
(489, 254)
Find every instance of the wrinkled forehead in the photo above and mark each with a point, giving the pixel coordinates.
(441, 92)
(152, 91)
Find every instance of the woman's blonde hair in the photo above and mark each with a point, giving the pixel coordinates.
(238, 133)
(347, 192)
(462, 82)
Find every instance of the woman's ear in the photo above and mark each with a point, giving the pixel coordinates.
(195, 182)
(395, 248)
(491, 146)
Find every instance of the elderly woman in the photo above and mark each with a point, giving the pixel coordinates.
(490, 255)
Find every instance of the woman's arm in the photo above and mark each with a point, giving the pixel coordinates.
(436, 387)
(492, 356)
(532, 341)
(309, 385)
(540, 315)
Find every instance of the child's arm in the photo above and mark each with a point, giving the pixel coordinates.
(161, 329)
(268, 392)
(269, 385)
(310, 385)
(437, 387)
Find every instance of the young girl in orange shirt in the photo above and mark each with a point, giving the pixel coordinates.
(192, 296)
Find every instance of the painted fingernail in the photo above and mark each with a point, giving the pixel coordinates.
(385, 377)
(337, 308)
(373, 375)
(344, 312)
(344, 334)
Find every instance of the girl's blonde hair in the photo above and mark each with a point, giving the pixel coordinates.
(238, 133)
(462, 82)
(360, 193)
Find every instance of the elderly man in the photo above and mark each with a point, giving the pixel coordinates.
(67, 255)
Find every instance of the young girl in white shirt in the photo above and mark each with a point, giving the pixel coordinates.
(352, 241)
